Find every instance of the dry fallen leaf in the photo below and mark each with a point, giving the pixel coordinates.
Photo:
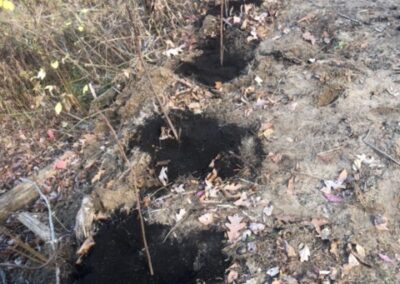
(309, 37)
(84, 218)
(166, 133)
(256, 228)
(258, 80)
(266, 130)
(218, 85)
(386, 258)
(207, 219)
(290, 187)
(242, 201)
(267, 211)
(85, 247)
(352, 262)
(212, 176)
(98, 176)
(334, 249)
(237, 20)
(318, 222)
(232, 276)
(333, 198)
(304, 253)
(273, 271)
(233, 186)
(381, 223)
(180, 215)
(234, 227)
(291, 252)
(360, 251)
(163, 177)
(60, 165)
(50, 134)
(174, 51)
(342, 177)
(276, 158)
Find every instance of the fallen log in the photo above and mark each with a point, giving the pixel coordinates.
(24, 193)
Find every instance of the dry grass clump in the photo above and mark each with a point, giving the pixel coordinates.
(51, 49)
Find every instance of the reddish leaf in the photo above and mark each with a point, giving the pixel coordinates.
(234, 227)
(309, 37)
(60, 165)
(385, 258)
(50, 134)
(207, 219)
(333, 198)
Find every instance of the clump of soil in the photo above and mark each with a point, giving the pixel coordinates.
(118, 256)
(202, 139)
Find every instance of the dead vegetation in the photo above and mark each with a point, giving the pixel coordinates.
(261, 147)
(52, 50)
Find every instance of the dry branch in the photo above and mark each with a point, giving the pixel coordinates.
(221, 34)
(25, 193)
(34, 225)
(136, 190)
(138, 48)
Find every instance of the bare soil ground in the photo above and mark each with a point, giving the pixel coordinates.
(292, 150)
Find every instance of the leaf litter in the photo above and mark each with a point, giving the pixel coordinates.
(284, 156)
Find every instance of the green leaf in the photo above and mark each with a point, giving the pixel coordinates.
(58, 108)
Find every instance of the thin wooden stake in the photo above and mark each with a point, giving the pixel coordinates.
(221, 34)
(136, 191)
(138, 49)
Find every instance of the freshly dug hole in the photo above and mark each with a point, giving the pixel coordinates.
(206, 68)
(118, 256)
(238, 52)
(202, 138)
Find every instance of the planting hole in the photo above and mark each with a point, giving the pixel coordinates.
(202, 139)
(118, 256)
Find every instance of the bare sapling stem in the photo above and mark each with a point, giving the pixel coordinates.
(221, 34)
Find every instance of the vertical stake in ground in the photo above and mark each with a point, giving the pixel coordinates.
(221, 34)
(138, 48)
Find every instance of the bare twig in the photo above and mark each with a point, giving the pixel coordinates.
(53, 240)
(138, 48)
(136, 191)
(12, 265)
(221, 34)
(176, 226)
(387, 156)
(38, 257)
(138, 206)
(350, 19)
